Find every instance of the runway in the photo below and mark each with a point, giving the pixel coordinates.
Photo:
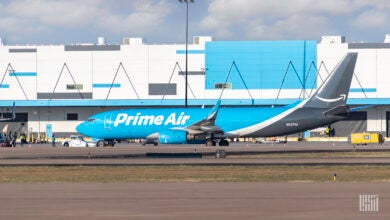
(191, 201)
(236, 154)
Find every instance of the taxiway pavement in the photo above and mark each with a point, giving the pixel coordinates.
(136, 154)
(186, 200)
(191, 201)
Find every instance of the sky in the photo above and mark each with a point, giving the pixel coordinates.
(163, 21)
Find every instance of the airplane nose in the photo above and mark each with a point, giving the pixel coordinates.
(82, 128)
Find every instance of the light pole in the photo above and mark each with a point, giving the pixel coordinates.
(186, 83)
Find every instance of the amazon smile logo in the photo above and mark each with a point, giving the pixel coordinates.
(342, 97)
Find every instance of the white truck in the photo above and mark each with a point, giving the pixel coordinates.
(77, 141)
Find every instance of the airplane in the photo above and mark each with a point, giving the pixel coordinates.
(190, 125)
(13, 115)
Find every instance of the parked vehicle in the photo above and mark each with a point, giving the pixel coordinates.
(366, 138)
(103, 143)
(3, 142)
(77, 141)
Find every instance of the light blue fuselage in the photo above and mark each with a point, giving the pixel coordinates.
(180, 125)
(140, 123)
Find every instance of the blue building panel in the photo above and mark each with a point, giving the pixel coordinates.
(176, 102)
(362, 90)
(106, 85)
(22, 74)
(262, 64)
(190, 52)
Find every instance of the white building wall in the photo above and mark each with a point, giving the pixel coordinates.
(105, 66)
(366, 69)
(383, 73)
(18, 62)
(80, 67)
(366, 72)
(50, 60)
(196, 83)
(376, 118)
(162, 62)
(135, 60)
(146, 64)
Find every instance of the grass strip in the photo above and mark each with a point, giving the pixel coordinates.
(317, 155)
(45, 174)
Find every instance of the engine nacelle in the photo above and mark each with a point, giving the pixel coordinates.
(173, 137)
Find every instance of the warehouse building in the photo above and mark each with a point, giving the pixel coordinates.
(55, 87)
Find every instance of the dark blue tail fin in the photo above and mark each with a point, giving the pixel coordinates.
(334, 91)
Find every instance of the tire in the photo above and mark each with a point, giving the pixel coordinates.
(100, 144)
(66, 144)
(210, 143)
(223, 143)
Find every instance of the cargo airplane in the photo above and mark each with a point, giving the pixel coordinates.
(190, 125)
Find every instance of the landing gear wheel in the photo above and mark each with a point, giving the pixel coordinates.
(223, 142)
(100, 144)
(210, 143)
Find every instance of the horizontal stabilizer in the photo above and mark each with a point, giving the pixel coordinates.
(339, 110)
(355, 109)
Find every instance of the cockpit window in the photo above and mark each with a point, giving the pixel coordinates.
(91, 119)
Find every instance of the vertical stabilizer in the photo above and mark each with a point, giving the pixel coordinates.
(334, 91)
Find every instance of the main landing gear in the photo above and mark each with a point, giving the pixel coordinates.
(223, 142)
(211, 142)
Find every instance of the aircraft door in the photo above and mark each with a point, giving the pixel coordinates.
(387, 124)
(107, 122)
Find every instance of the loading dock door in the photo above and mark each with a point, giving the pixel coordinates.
(356, 122)
(387, 124)
(19, 124)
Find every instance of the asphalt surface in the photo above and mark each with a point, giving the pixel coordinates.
(135, 154)
(191, 201)
(186, 200)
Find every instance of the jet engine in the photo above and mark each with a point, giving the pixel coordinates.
(173, 137)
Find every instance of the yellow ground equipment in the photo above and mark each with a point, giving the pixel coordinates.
(366, 138)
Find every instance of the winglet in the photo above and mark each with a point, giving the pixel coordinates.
(13, 111)
(213, 113)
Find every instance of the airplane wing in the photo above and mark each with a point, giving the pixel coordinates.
(206, 125)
